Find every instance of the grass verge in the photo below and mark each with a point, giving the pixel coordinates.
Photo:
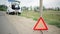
(50, 17)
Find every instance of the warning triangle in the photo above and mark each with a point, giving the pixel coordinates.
(40, 25)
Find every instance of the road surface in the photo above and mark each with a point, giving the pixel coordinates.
(5, 26)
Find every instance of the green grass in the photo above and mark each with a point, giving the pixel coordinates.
(50, 17)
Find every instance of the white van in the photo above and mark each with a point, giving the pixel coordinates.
(14, 8)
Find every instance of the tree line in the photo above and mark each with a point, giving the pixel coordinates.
(24, 8)
(36, 8)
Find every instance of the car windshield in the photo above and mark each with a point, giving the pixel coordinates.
(15, 7)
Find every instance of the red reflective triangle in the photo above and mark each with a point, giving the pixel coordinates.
(40, 25)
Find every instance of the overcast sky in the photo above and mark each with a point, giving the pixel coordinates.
(46, 3)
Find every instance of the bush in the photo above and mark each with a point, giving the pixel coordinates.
(3, 8)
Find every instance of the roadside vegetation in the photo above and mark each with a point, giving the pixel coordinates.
(3, 8)
(50, 16)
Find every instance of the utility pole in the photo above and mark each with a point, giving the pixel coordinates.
(41, 7)
(41, 11)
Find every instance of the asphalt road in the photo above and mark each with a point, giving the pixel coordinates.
(5, 26)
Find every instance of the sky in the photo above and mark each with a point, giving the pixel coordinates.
(28, 3)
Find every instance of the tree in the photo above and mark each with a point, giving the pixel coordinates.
(3, 7)
(24, 8)
(44, 8)
(36, 9)
(57, 9)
